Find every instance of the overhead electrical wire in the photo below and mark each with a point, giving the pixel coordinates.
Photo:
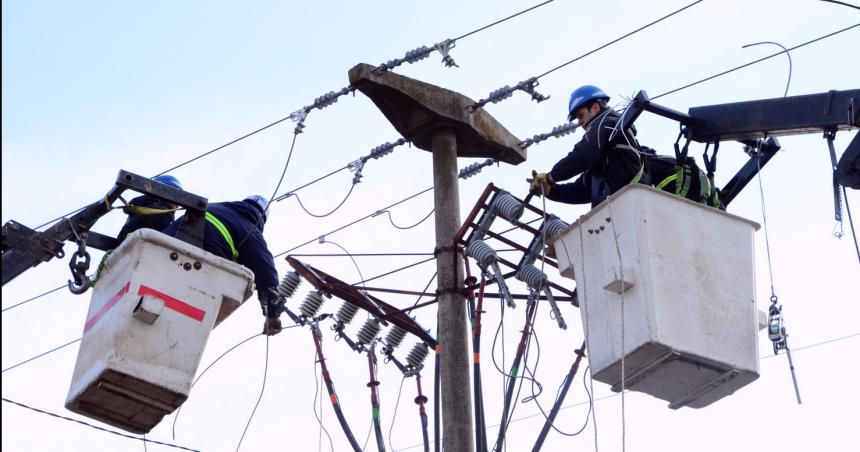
(262, 391)
(176, 416)
(529, 85)
(144, 440)
(41, 354)
(319, 103)
(755, 61)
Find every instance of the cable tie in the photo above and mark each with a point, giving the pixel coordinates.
(377, 213)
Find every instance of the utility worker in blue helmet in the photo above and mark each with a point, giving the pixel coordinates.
(605, 159)
(234, 231)
(148, 211)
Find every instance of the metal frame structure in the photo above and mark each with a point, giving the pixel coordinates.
(24, 248)
(756, 123)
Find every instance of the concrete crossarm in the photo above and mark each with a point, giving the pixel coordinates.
(418, 109)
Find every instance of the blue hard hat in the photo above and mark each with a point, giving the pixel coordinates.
(583, 95)
(168, 180)
(261, 203)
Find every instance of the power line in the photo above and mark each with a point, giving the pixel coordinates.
(530, 84)
(755, 61)
(144, 440)
(41, 355)
(502, 20)
(33, 298)
(354, 222)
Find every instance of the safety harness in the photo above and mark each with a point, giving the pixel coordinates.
(686, 169)
(224, 233)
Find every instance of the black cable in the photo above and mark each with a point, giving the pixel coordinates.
(354, 222)
(754, 62)
(391, 220)
(502, 20)
(37, 296)
(262, 390)
(176, 417)
(425, 288)
(850, 222)
(395, 271)
(619, 39)
(97, 427)
(841, 3)
(225, 145)
(41, 355)
(351, 188)
(359, 255)
(293, 191)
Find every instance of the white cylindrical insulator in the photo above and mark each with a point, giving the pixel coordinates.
(289, 284)
(481, 252)
(531, 275)
(554, 225)
(312, 303)
(346, 312)
(507, 206)
(417, 355)
(394, 337)
(368, 331)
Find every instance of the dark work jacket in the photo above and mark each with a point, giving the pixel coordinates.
(241, 219)
(602, 169)
(136, 221)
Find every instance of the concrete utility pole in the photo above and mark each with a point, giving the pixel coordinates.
(436, 119)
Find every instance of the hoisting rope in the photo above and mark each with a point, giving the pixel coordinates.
(775, 330)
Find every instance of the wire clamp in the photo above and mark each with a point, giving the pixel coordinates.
(443, 48)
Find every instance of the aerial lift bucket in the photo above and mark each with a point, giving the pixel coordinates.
(682, 275)
(151, 313)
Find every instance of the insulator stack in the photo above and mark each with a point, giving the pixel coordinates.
(418, 54)
(532, 276)
(311, 305)
(385, 149)
(474, 169)
(417, 355)
(289, 284)
(483, 254)
(507, 206)
(500, 94)
(395, 337)
(369, 331)
(346, 312)
(554, 225)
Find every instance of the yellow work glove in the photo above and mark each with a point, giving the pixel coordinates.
(540, 183)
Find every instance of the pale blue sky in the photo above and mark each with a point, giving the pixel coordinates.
(93, 87)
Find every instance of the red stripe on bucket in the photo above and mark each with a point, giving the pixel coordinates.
(104, 309)
(174, 304)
